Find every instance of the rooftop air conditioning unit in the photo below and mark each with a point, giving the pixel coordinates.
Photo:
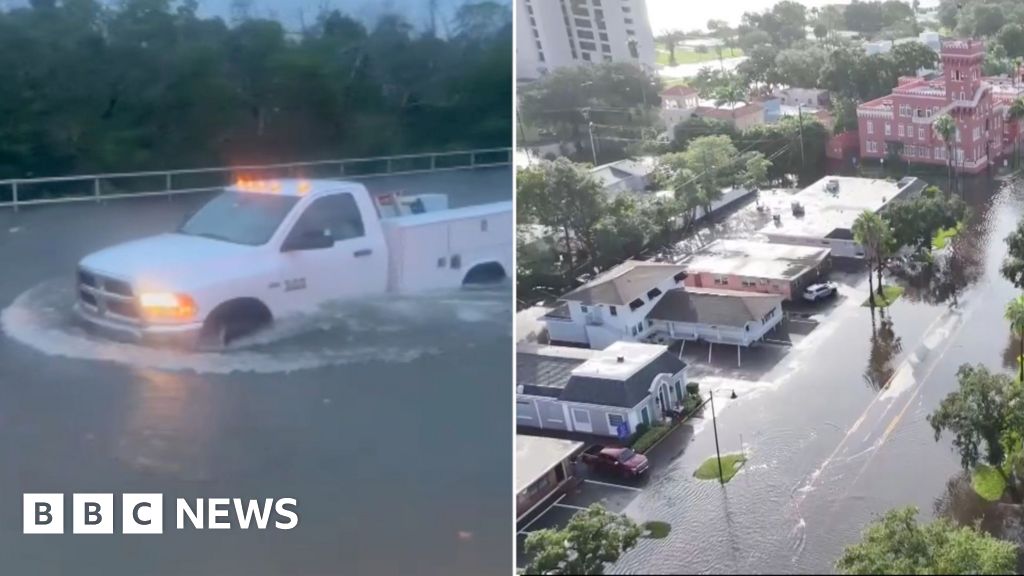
(798, 209)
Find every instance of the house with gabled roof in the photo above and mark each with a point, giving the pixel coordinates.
(606, 392)
(613, 305)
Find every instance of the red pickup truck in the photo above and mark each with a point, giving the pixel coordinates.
(621, 461)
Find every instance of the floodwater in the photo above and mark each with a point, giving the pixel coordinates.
(387, 419)
(834, 427)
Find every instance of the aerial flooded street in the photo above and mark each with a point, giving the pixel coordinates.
(359, 412)
(835, 426)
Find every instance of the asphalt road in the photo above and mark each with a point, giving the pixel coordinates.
(835, 427)
(388, 420)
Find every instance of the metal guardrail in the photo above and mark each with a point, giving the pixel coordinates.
(60, 189)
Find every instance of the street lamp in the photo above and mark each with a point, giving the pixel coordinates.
(714, 425)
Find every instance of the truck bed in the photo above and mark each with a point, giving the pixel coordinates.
(436, 250)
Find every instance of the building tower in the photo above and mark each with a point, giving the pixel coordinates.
(961, 63)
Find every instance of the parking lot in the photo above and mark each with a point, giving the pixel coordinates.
(614, 495)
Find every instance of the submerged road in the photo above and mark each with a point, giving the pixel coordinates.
(387, 420)
(834, 427)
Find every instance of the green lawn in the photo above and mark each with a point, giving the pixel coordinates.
(656, 530)
(687, 55)
(890, 293)
(942, 237)
(731, 464)
(988, 483)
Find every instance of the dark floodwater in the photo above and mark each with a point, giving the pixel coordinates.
(835, 428)
(387, 420)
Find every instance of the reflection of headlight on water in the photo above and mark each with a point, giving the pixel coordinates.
(375, 331)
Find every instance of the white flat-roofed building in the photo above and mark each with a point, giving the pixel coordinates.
(822, 215)
(543, 468)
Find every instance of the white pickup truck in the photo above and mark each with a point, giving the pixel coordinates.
(263, 250)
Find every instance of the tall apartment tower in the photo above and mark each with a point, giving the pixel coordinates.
(556, 33)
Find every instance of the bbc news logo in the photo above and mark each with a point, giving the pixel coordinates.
(144, 513)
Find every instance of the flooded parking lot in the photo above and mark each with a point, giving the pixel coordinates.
(834, 426)
(349, 411)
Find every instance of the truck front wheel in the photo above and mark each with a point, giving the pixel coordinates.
(232, 320)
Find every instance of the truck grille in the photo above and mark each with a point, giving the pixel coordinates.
(106, 296)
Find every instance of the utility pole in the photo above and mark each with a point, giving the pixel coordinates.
(800, 114)
(714, 424)
(590, 128)
(522, 135)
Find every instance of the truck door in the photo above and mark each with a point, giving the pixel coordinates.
(328, 255)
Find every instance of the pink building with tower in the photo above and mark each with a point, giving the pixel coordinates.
(902, 121)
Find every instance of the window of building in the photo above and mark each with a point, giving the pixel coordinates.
(626, 9)
(581, 23)
(871, 127)
(586, 34)
(630, 32)
(633, 331)
(628, 20)
(721, 280)
(901, 131)
(607, 49)
(603, 36)
(615, 420)
(653, 293)
(636, 304)
(888, 129)
(614, 311)
(586, 56)
(588, 46)
(921, 133)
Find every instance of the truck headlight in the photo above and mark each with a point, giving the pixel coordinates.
(167, 306)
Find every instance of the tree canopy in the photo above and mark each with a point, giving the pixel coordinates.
(898, 544)
(986, 417)
(592, 539)
(149, 84)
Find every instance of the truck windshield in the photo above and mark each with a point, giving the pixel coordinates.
(240, 217)
(626, 455)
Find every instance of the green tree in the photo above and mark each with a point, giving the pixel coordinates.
(671, 41)
(898, 544)
(913, 56)
(591, 540)
(563, 197)
(871, 232)
(985, 417)
(1013, 265)
(845, 112)
(1011, 36)
(755, 173)
(821, 32)
(1015, 316)
(800, 67)
(1016, 114)
(945, 128)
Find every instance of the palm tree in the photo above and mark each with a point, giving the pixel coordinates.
(1016, 114)
(945, 128)
(730, 94)
(869, 230)
(1015, 315)
(670, 40)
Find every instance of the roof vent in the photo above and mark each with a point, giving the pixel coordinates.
(620, 359)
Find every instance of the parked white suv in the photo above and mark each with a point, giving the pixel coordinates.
(820, 291)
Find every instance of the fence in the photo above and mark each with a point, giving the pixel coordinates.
(32, 191)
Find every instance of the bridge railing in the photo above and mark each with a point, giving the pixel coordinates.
(33, 191)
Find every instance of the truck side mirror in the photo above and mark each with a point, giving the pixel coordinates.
(308, 240)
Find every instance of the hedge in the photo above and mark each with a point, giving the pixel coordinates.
(649, 438)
